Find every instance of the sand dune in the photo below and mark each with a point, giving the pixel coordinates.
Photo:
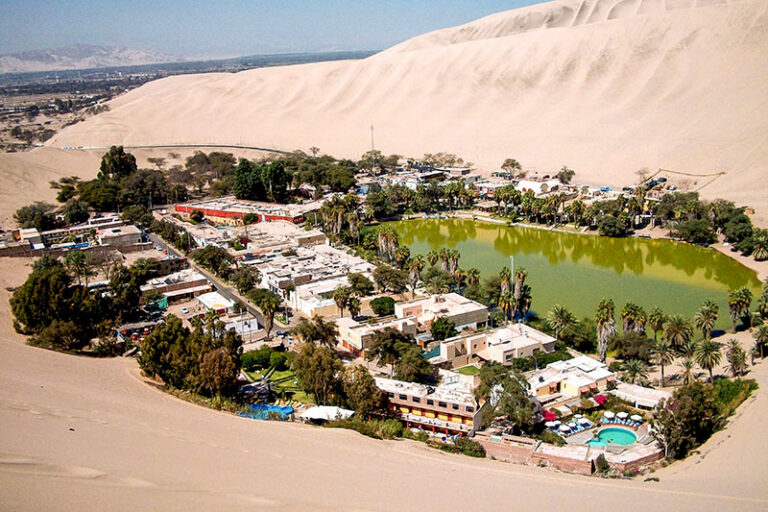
(87, 434)
(605, 86)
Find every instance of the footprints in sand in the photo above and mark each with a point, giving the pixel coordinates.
(10, 463)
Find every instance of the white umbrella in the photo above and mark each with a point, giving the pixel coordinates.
(636, 417)
(549, 424)
(578, 416)
(622, 415)
(585, 421)
(608, 414)
(557, 422)
(564, 428)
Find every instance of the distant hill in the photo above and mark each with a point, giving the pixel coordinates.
(79, 56)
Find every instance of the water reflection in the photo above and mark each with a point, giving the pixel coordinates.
(657, 259)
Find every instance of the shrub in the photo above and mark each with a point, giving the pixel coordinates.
(257, 359)
(277, 360)
(469, 447)
(383, 306)
(601, 465)
(550, 437)
(391, 429)
(416, 436)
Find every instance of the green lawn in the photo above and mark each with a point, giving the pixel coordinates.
(285, 381)
(469, 370)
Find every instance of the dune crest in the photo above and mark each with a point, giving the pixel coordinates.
(604, 86)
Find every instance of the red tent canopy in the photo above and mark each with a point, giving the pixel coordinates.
(549, 416)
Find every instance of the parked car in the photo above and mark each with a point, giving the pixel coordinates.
(185, 310)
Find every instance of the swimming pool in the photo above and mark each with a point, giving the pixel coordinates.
(613, 436)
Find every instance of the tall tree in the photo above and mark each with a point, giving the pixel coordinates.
(560, 319)
(360, 391)
(606, 326)
(708, 355)
(706, 318)
(116, 164)
(663, 355)
(316, 330)
(736, 357)
(656, 320)
(318, 371)
(678, 331)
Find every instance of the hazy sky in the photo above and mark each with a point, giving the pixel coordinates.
(229, 27)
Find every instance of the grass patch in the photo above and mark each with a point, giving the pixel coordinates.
(469, 370)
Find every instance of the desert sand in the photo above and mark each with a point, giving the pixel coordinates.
(25, 177)
(605, 86)
(87, 434)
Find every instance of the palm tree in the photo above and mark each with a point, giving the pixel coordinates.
(687, 349)
(739, 302)
(316, 331)
(635, 371)
(432, 257)
(77, 265)
(453, 261)
(708, 355)
(504, 276)
(663, 355)
(760, 245)
(560, 319)
(633, 318)
(341, 297)
(736, 357)
(762, 306)
(706, 318)
(473, 276)
(761, 338)
(524, 303)
(606, 326)
(689, 373)
(402, 255)
(354, 306)
(520, 275)
(445, 256)
(656, 320)
(506, 304)
(677, 331)
(414, 273)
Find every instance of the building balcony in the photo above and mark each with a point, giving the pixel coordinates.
(428, 423)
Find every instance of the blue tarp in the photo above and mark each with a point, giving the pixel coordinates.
(261, 411)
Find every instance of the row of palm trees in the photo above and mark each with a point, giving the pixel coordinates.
(676, 340)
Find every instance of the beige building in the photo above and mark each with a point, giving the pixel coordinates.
(575, 378)
(180, 285)
(119, 235)
(464, 313)
(449, 407)
(500, 345)
(356, 336)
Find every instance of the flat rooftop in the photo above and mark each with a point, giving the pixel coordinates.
(454, 393)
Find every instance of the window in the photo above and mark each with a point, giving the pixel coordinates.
(430, 401)
(470, 409)
(455, 407)
(442, 404)
(416, 400)
(390, 395)
(403, 397)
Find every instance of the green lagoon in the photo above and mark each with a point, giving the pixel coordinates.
(577, 270)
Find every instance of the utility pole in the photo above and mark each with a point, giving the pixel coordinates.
(373, 151)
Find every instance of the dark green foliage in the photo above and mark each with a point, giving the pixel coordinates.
(360, 391)
(245, 278)
(257, 359)
(695, 412)
(442, 328)
(632, 345)
(116, 163)
(390, 279)
(37, 215)
(318, 370)
(101, 195)
(469, 447)
(248, 182)
(510, 404)
(550, 437)
(411, 365)
(61, 335)
(601, 465)
(202, 361)
(215, 259)
(383, 306)
(277, 360)
(138, 215)
(43, 298)
(173, 234)
(360, 284)
(696, 231)
(75, 212)
(612, 226)
(377, 429)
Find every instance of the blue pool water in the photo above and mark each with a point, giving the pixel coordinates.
(613, 436)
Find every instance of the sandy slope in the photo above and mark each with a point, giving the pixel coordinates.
(84, 434)
(605, 86)
(25, 177)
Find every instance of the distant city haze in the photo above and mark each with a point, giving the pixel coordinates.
(230, 28)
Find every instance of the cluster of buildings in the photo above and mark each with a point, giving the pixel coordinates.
(105, 230)
(232, 211)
